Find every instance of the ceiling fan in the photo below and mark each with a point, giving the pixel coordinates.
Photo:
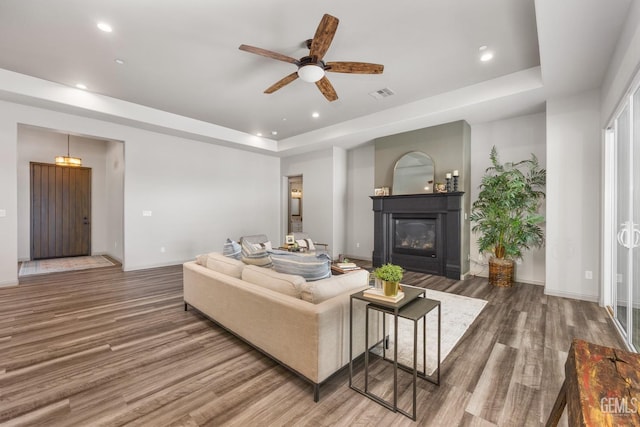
(312, 68)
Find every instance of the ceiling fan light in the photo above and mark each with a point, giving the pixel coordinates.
(310, 73)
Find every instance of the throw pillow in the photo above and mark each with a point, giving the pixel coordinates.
(255, 254)
(310, 266)
(307, 244)
(232, 249)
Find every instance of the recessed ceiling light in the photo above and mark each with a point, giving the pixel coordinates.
(259, 134)
(315, 115)
(284, 119)
(119, 61)
(487, 56)
(274, 132)
(105, 27)
(81, 86)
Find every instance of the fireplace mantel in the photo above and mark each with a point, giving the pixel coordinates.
(445, 208)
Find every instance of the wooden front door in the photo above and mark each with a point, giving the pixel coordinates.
(60, 211)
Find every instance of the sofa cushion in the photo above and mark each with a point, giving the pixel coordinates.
(232, 249)
(223, 264)
(322, 290)
(255, 254)
(287, 284)
(310, 266)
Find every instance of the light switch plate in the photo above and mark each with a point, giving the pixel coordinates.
(3, 213)
(146, 213)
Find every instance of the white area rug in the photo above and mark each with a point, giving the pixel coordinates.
(55, 265)
(458, 313)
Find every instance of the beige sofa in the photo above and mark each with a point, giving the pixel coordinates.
(302, 325)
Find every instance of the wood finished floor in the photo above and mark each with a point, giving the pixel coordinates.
(105, 347)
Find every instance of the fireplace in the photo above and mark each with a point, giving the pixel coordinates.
(420, 232)
(415, 236)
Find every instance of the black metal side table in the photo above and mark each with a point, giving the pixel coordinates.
(412, 307)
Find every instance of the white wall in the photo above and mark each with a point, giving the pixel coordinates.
(360, 185)
(41, 145)
(199, 193)
(624, 64)
(8, 199)
(114, 180)
(319, 206)
(573, 196)
(339, 237)
(515, 138)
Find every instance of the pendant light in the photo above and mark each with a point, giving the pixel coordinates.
(68, 160)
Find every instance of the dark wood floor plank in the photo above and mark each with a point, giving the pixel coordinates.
(552, 378)
(490, 393)
(107, 347)
(519, 407)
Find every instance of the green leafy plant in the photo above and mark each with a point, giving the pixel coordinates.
(389, 273)
(506, 212)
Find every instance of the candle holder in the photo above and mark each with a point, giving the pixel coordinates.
(455, 183)
(448, 185)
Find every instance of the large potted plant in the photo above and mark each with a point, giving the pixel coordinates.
(506, 214)
(391, 275)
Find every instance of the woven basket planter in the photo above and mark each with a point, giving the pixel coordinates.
(501, 272)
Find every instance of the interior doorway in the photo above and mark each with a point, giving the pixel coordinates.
(295, 204)
(60, 211)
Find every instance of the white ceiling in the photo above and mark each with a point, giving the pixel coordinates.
(182, 57)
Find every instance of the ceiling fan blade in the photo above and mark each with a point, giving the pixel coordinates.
(268, 53)
(354, 67)
(282, 82)
(324, 35)
(327, 89)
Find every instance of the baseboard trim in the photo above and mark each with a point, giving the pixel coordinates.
(357, 257)
(8, 283)
(572, 295)
(145, 267)
(517, 280)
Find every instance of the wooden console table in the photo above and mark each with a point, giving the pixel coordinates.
(601, 387)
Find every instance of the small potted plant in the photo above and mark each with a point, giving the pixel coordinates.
(391, 275)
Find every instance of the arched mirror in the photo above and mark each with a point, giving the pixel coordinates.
(413, 174)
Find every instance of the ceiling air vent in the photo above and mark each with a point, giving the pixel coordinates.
(382, 93)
